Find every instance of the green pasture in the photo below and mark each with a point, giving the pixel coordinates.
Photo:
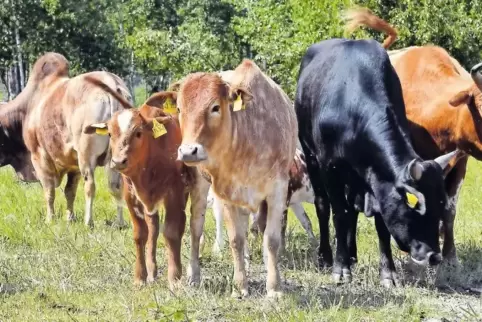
(67, 272)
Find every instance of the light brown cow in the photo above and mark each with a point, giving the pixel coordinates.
(443, 104)
(57, 109)
(152, 176)
(243, 134)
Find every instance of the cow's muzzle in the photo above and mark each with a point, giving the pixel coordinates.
(191, 153)
(118, 164)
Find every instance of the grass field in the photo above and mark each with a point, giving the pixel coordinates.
(63, 272)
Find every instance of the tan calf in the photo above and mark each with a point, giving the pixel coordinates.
(242, 132)
(56, 109)
(144, 149)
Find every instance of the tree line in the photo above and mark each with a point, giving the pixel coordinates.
(159, 41)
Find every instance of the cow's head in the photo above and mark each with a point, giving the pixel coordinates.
(14, 152)
(413, 207)
(131, 130)
(206, 104)
(473, 95)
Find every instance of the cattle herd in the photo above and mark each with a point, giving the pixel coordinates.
(386, 133)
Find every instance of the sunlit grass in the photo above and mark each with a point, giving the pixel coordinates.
(68, 272)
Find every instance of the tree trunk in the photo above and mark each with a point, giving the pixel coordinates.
(131, 77)
(18, 44)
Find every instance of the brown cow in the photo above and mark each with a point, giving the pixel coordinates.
(153, 176)
(53, 110)
(443, 104)
(246, 143)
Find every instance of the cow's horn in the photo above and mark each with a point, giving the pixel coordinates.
(476, 76)
(445, 159)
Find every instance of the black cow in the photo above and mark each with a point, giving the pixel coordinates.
(12, 147)
(354, 133)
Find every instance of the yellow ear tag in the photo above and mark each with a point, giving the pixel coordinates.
(238, 104)
(411, 200)
(101, 131)
(169, 107)
(158, 129)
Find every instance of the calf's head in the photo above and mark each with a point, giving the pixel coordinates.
(413, 207)
(131, 130)
(206, 104)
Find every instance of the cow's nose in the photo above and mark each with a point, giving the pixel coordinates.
(434, 259)
(118, 164)
(191, 153)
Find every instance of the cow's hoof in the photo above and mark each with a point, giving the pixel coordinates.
(150, 279)
(119, 224)
(193, 276)
(272, 294)
(139, 283)
(344, 277)
(239, 295)
(70, 217)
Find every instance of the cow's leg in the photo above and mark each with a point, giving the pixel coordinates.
(114, 179)
(87, 169)
(237, 224)
(453, 183)
(284, 224)
(218, 215)
(305, 222)
(272, 236)
(198, 210)
(152, 222)
(322, 207)
(140, 234)
(388, 273)
(70, 192)
(351, 236)
(47, 181)
(254, 222)
(174, 226)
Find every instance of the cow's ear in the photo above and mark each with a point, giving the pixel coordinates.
(174, 87)
(98, 128)
(238, 98)
(414, 199)
(167, 101)
(463, 97)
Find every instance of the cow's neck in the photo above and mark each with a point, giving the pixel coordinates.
(13, 113)
(468, 136)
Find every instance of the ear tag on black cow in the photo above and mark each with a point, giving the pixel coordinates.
(411, 200)
(158, 129)
(101, 131)
(238, 104)
(169, 107)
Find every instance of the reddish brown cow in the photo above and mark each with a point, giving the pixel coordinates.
(51, 112)
(443, 104)
(152, 176)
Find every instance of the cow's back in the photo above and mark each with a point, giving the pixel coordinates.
(349, 98)
(265, 133)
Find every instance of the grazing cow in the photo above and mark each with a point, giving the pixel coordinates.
(443, 104)
(299, 189)
(51, 112)
(245, 142)
(355, 138)
(152, 176)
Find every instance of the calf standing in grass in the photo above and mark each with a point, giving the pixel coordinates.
(355, 137)
(144, 150)
(51, 112)
(242, 133)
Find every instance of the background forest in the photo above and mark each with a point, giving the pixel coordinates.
(153, 42)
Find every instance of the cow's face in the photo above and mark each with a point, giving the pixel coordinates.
(413, 208)
(14, 152)
(131, 130)
(206, 103)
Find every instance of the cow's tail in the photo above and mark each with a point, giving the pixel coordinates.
(358, 17)
(122, 99)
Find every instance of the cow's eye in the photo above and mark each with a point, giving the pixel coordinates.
(138, 134)
(215, 109)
